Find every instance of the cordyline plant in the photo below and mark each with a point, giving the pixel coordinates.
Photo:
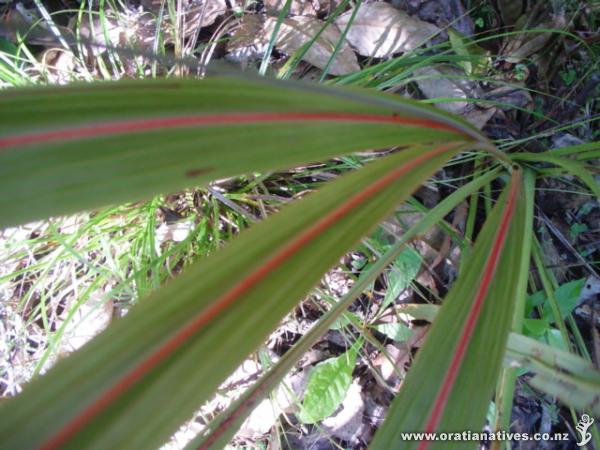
(63, 149)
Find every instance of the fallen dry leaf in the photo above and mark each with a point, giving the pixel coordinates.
(444, 14)
(381, 30)
(347, 423)
(449, 82)
(510, 11)
(521, 46)
(479, 117)
(261, 420)
(176, 232)
(195, 13)
(302, 7)
(297, 8)
(204, 13)
(398, 356)
(247, 43)
(446, 82)
(89, 319)
(296, 31)
(515, 95)
(283, 399)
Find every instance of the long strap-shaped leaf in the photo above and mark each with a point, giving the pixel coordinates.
(450, 384)
(67, 148)
(222, 429)
(569, 377)
(572, 166)
(506, 385)
(149, 371)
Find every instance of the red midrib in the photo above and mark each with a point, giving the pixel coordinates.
(471, 321)
(220, 304)
(162, 123)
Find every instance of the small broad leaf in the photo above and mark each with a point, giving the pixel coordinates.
(296, 31)
(418, 311)
(380, 30)
(327, 386)
(535, 327)
(403, 271)
(476, 60)
(532, 301)
(396, 331)
(568, 296)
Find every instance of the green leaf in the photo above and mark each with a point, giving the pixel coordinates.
(534, 300)
(555, 339)
(506, 385)
(571, 166)
(401, 273)
(327, 386)
(570, 378)
(567, 295)
(576, 229)
(419, 311)
(535, 327)
(396, 331)
(66, 148)
(221, 430)
(451, 381)
(476, 59)
(161, 357)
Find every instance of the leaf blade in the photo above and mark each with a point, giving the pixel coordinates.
(63, 149)
(222, 429)
(327, 386)
(462, 336)
(118, 379)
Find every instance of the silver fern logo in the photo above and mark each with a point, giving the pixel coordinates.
(582, 427)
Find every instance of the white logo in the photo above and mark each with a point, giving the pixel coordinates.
(584, 423)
